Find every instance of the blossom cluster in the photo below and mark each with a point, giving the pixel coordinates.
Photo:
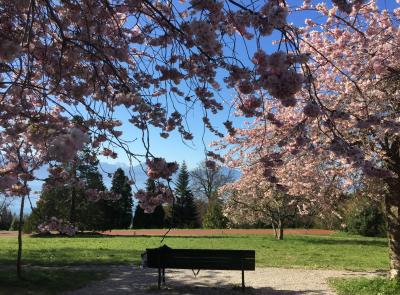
(159, 168)
(150, 200)
(278, 75)
(95, 195)
(62, 226)
(9, 49)
(7, 181)
(64, 147)
(346, 5)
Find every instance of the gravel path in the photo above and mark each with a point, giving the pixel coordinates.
(274, 281)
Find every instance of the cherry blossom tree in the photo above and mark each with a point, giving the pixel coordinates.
(252, 199)
(154, 60)
(344, 124)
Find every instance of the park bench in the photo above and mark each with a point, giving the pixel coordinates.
(196, 259)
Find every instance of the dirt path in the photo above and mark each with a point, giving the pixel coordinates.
(197, 232)
(270, 281)
(210, 232)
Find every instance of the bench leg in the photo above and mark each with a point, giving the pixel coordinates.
(163, 276)
(159, 278)
(242, 280)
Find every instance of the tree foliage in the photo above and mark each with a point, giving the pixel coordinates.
(6, 218)
(214, 217)
(184, 209)
(118, 213)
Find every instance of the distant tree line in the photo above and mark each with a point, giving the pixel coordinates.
(196, 201)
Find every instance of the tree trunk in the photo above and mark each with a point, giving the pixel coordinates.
(393, 231)
(280, 227)
(275, 231)
(19, 256)
(72, 209)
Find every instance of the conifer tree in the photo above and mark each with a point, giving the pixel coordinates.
(185, 212)
(69, 202)
(119, 212)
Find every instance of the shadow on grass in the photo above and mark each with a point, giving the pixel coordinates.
(75, 256)
(41, 281)
(96, 235)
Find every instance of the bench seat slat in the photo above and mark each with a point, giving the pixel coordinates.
(204, 265)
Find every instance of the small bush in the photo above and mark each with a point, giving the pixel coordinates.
(366, 219)
(214, 217)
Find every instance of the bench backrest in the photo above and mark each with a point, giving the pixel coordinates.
(165, 257)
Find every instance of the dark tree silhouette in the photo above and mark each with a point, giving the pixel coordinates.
(185, 212)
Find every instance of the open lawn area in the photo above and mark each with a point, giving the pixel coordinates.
(337, 251)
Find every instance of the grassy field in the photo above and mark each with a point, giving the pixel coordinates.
(45, 281)
(365, 286)
(337, 251)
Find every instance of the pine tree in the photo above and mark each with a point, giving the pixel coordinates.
(90, 215)
(149, 220)
(185, 212)
(119, 212)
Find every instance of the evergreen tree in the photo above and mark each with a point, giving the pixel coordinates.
(185, 212)
(118, 213)
(6, 218)
(90, 215)
(149, 220)
(70, 202)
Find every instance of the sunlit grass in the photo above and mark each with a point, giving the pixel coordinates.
(365, 286)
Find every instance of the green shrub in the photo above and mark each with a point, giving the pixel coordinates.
(31, 223)
(14, 224)
(214, 217)
(366, 219)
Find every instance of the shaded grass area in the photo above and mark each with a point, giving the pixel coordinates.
(365, 286)
(39, 281)
(337, 251)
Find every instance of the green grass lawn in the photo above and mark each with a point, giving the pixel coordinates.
(46, 281)
(337, 251)
(365, 286)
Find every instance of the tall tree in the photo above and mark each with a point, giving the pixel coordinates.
(252, 199)
(184, 210)
(345, 125)
(118, 213)
(68, 198)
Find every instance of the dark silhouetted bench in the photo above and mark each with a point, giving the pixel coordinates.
(197, 259)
